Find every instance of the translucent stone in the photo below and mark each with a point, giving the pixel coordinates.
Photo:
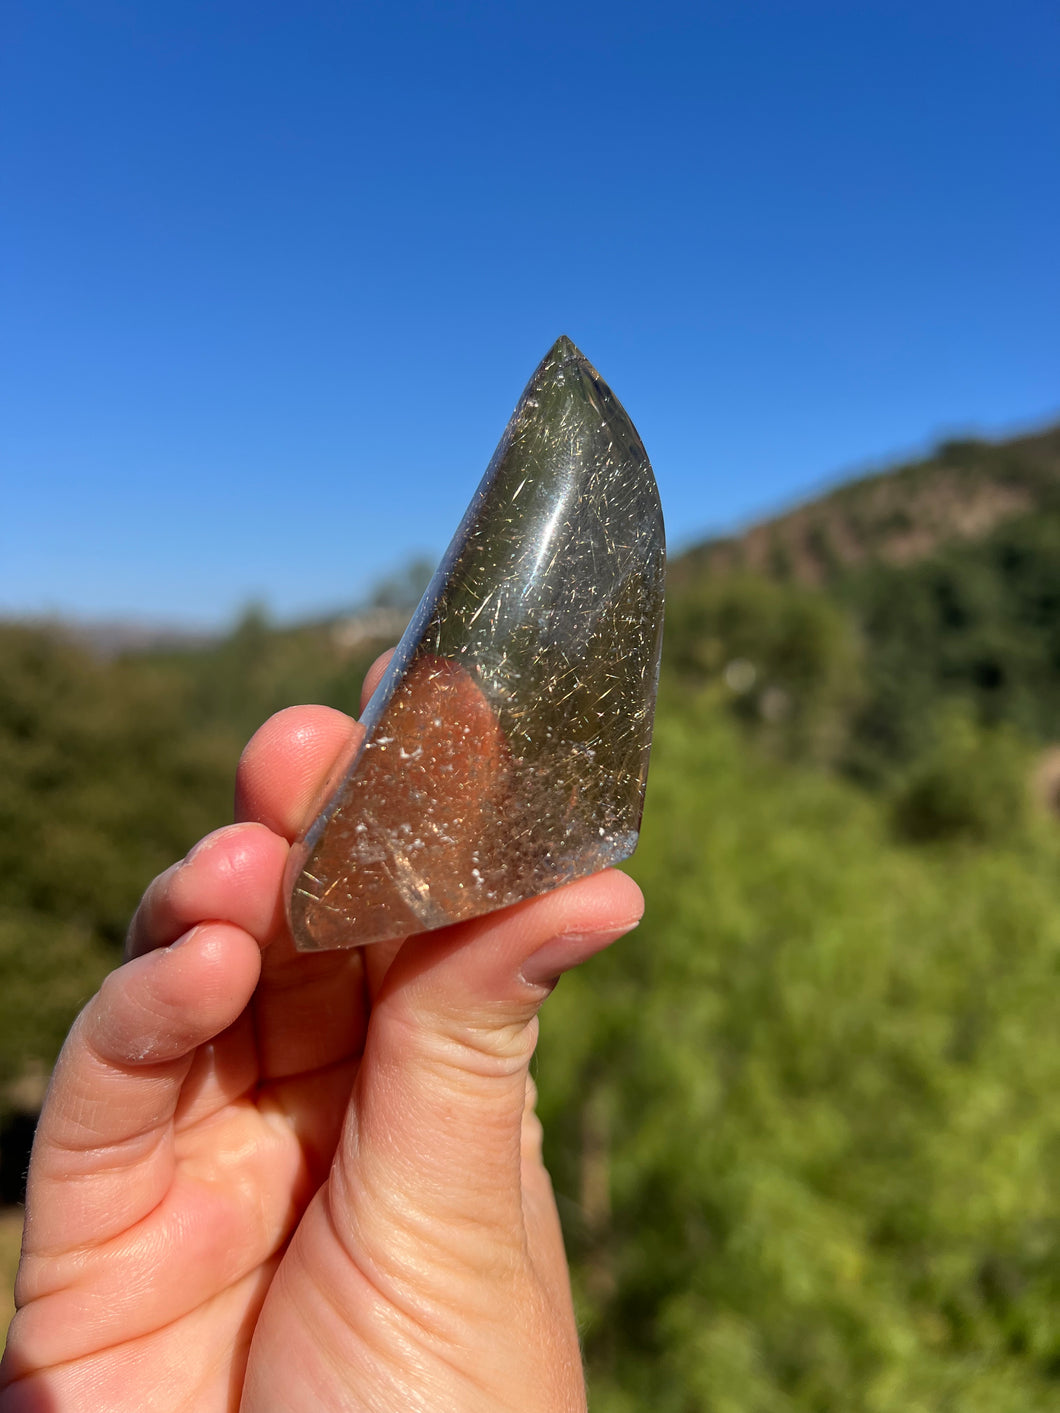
(506, 748)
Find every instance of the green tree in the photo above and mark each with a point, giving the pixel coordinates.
(973, 783)
(784, 658)
(803, 1122)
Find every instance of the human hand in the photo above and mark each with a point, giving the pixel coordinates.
(265, 1180)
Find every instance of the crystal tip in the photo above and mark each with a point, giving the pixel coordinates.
(564, 351)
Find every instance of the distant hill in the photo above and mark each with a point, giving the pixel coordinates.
(108, 638)
(899, 516)
(857, 623)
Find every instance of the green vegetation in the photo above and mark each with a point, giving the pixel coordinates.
(978, 621)
(803, 1123)
(785, 659)
(109, 771)
(10, 1242)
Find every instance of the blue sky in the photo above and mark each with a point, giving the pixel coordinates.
(273, 275)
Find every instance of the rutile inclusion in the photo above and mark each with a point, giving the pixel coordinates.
(506, 748)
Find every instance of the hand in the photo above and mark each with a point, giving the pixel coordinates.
(265, 1180)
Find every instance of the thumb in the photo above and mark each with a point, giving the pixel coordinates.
(432, 1141)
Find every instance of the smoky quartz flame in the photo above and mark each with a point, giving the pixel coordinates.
(506, 748)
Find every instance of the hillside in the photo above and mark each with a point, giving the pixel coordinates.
(896, 517)
(802, 1124)
(852, 627)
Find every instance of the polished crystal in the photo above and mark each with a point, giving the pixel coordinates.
(506, 748)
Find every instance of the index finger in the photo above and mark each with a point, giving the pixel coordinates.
(286, 765)
(309, 1011)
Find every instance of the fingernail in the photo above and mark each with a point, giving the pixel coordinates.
(185, 937)
(545, 966)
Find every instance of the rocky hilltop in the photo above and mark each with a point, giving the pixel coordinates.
(964, 491)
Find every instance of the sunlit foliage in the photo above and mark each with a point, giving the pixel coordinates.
(803, 1122)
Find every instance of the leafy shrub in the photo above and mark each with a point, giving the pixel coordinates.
(974, 784)
(802, 1123)
(783, 657)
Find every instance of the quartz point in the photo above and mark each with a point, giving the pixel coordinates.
(506, 748)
